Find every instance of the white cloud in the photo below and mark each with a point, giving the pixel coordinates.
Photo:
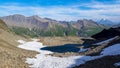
(96, 11)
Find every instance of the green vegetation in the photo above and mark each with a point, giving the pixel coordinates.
(24, 32)
(57, 31)
(90, 31)
(94, 30)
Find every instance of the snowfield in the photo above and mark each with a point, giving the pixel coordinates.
(43, 60)
(83, 50)
(106, 41)
(112, 50)
(46, 61)
(33, 45)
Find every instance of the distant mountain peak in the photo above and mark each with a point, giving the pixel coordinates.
(106, 22)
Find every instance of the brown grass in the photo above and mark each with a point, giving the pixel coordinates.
(10, 55)
(55, 41)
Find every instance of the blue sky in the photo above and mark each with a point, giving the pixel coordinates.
(63, 9)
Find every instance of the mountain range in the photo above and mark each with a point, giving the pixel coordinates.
(50, 27)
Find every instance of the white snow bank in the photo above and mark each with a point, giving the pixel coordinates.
(46, 61)
(112, 50)
(21, 41)
(117, 64)
(83, 50)
(106, 41)
(35, 46)
(43, 61)
(35, 39)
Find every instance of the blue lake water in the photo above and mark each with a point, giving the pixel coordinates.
(63, 48)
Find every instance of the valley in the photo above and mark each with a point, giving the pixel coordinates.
(59, 33)
(55, 44)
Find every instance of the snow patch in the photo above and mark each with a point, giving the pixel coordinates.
(35, 46)
(83, 50)
(112, 50)
(106, 41)
(35, 39)
(21, 41)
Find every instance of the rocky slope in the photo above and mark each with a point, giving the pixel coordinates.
(29, 22)
(84, 24)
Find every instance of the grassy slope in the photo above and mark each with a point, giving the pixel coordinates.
(10, 55)
(3, 25)
(91, 31)
(56, 31)
(94, 30)
(25, 32)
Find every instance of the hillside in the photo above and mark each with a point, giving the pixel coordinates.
(3, 26)
(10, 54)
(87, 27)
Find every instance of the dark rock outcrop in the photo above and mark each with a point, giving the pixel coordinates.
(107, 33)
